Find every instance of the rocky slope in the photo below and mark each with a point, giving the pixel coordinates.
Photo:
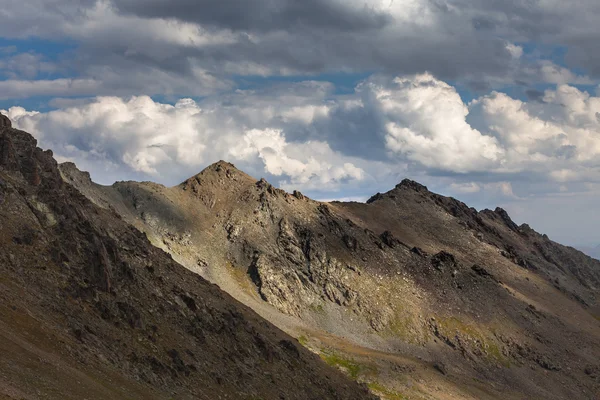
(90, 309)
(416, 294)
(592, 251)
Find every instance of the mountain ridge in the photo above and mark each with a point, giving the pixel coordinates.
(480, 221)
(592, 251)
(409, 274)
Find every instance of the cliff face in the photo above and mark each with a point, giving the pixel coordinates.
(415, 293)
(90, 309)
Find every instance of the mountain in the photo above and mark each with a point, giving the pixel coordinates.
(90, 309)
(592, 251)
(413, 293)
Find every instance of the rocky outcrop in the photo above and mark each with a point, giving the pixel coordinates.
(301, 275)
(5, 122)
(412, 185)
(443, 261)
(71, 174)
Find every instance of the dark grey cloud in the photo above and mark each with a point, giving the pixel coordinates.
(534, 94)
(190, 48)
(317, 36)
(262, 15)
(569, 24)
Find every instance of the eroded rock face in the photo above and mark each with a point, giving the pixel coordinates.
(380, 318)
(282, 289)
(8, 158)
(301, 274)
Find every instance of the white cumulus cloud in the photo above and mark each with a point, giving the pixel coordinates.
(167, 141)
(426, 122)
(304, 136)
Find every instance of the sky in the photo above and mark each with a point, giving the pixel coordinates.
(494, 102)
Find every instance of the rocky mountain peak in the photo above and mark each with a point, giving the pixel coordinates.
(503, 215)
(407, 184)
(5, 122)
(19, 154)
(71, 173)
(219, 172)
(410, 184)
(221, 164)
(263, 185)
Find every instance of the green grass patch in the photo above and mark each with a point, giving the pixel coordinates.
(303, 340)
(494, 352)
(345, 364)
(385, 393)
(318, 308)
(399, 327)
(406, 327)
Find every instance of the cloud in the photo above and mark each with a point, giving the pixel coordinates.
(515, 51)
(170, 142)
(25, 65)
(308, 165)
(123, 55)
(470, 187)
(458, 39)
(21, 89)
(257, 15)
(195, 48)
(557, 137)
(555, 74)
(425, 121)
(304, 135)
(501, 189)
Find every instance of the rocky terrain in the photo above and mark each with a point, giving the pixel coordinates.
(592, 251)
(89, 309)
(415, 294)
